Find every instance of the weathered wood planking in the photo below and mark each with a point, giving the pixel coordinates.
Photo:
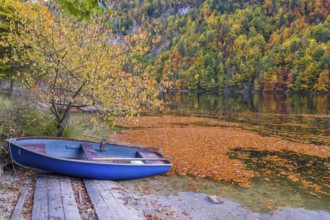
(19, 206)
(54, 199)
(106, 202)
(151, 155)
(68, 200)
(55, 205)
(40, 202)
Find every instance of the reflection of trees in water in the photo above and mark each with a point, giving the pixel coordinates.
(290, 115)
(252, 102)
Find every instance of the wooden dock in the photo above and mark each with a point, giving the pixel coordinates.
(54, 200)
(105, 196)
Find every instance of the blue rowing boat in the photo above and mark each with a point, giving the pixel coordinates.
(87, 159)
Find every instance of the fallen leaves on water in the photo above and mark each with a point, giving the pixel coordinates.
(202, 151)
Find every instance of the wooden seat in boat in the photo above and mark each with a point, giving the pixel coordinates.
(89, 151)
(40, 148)
(151, 155)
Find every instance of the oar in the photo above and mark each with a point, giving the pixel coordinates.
(129, 159)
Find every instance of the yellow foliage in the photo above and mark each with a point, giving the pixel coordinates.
(75, 63)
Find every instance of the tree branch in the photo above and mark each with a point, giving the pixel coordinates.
(70, 103)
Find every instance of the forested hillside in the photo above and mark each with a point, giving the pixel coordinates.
(266, 45)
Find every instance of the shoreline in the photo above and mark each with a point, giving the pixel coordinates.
(184, 205)
(244, 91)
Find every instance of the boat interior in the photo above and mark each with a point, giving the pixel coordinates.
(92, 151)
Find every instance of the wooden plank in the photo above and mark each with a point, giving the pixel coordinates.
(19, 206)
(106, 203)
(153, 155)
(68, 200)
(93, 193)
(130, 159)
(54, 199)
(114, 190)
(40, 148)
(40, 202)
(55, 206)
(89, 151)
(117, 210)
(100, 206)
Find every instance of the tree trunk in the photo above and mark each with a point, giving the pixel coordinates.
(62, 123)
(59, 131)
(11, 88)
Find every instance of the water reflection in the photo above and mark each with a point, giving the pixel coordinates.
(298, 117)
(252, 102)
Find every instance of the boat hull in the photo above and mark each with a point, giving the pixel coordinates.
(82, 168)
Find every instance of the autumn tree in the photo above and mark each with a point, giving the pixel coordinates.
(7, 15)
(76, 64)
(85, 9)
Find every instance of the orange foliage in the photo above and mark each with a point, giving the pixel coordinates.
(202, 151)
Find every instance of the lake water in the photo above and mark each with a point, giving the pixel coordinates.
(298, 118)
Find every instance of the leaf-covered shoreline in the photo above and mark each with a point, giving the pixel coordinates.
(203, 151)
